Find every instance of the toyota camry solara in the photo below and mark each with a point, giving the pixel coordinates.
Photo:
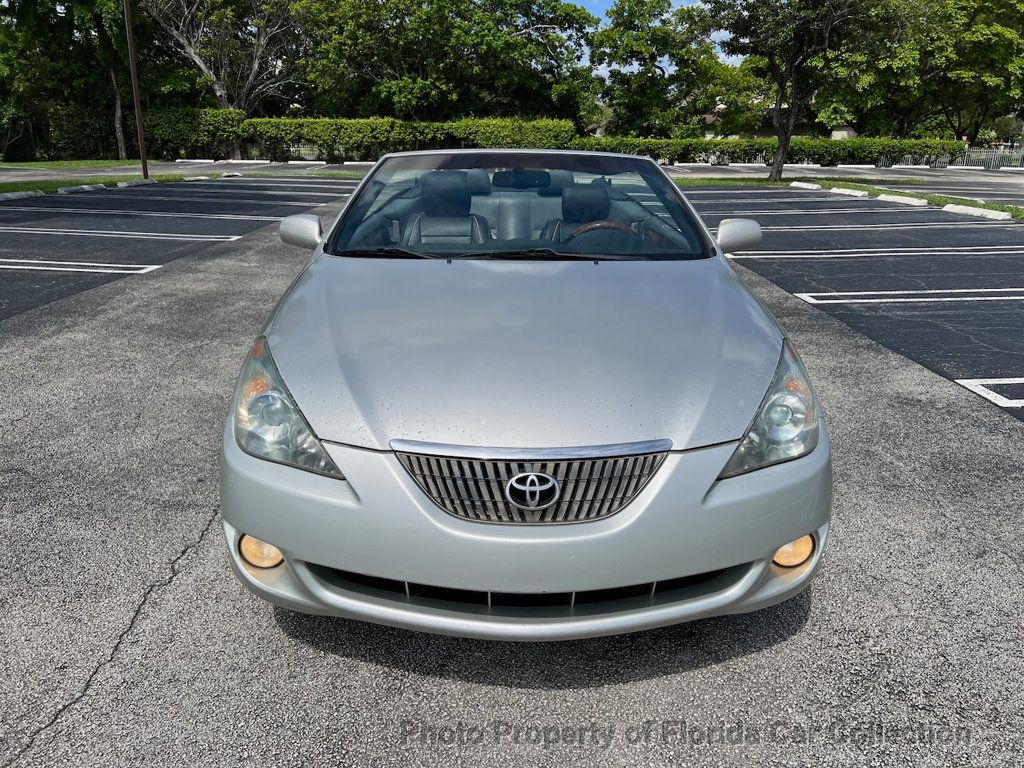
(522, 395)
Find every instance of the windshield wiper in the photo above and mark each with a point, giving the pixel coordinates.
(392, 251)
(549, 253)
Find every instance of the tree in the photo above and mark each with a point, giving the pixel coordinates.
(448, 58)
(1008, 128)
(246, 49)
(977, 52)
(11, 115)
(876, 81)
(69, 52)
(635, 48)
(790, 39)
(664, 75)
(928, 66)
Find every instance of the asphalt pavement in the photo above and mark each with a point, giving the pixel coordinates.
(53, 246)
(944, 289)
(129, 642)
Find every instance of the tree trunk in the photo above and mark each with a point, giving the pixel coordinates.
(783, 130)
(780, 156)
(220, 92)
(122, 148)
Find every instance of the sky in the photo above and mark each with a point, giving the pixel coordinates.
(599, 7)
(596, 7)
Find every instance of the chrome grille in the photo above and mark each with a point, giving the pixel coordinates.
(591, 488)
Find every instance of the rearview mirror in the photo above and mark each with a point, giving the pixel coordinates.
(521, 178)
(738, 235)
(302, 229)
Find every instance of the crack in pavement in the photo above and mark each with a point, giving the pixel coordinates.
(83, 692)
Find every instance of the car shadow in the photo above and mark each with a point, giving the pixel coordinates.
(548, 665)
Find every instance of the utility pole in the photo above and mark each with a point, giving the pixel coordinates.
(135, 86)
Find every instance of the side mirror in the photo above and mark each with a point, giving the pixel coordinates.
(302, 229)
(738, 235)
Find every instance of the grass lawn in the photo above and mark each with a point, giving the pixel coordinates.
(939, 200)
(746, 181)
(51, 185)
(58, 164)
(874, 187)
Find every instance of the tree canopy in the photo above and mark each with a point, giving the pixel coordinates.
(650, 69)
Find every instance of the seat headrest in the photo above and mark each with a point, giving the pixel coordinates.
(479, 181)
(585, 202)
(446, 193)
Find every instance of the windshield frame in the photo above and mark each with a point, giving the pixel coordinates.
(489, 158)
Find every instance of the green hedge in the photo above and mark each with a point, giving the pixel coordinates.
(73, 132)
(191, 133)
(515, 134)
(827, 152)
(865, 151)
(368, 139)
(272, 138)
(220, 133)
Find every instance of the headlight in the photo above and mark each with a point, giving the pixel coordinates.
(786, 424)
(268, 424)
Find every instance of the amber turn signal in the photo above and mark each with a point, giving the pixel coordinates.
(795, 553)
(259, 554)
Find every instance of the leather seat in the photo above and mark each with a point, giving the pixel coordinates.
(446, 217)
(581, 204)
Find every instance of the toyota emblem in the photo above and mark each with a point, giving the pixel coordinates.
(532, 491)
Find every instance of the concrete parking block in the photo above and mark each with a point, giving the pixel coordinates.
(804, 185)
(21, 195)
(848, 191)
(80, 188)
(970, 210)
(136, 183)
(903, 200)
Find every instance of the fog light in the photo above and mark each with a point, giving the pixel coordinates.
(259, 554)
(795, 553)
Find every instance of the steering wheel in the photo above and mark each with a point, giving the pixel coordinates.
(594, 226)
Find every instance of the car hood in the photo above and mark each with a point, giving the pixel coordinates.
(524, 354)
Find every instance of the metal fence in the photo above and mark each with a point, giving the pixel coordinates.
(991, 158)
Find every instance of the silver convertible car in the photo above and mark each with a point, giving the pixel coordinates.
(522, 395)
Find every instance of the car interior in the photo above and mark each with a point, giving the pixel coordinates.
(507, 209)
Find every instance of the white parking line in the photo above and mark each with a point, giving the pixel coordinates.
(121, 212)
(213, 186)
(981, 387)
(42, 265)
(213, 198)
(812, 211)
(121, 234)
(833, 199)
(913, 296)
(847, 253)
(238, 183)
(888, 225)
(743, 189)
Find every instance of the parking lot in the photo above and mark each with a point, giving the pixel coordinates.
(124, 316)
(53, 246)
(943, 289)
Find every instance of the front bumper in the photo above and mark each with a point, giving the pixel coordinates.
(378, 523)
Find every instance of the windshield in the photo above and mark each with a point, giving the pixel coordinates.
(518, 205)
